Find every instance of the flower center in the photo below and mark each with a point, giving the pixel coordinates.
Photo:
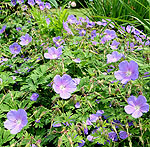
(62, 87)
(54, 56)
(137, 107)
(128, 73)
(19, 122)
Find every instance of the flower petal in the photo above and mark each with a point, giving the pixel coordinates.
(141, 100)
(65, 95)
(11, 115)
(137, 114)
(144, 108)
(16, 129)
(123, 66)
(129, 109)
(132, 100)
(9, 124)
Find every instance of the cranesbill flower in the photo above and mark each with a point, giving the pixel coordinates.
(1, 80)
(48, 21)
(77, 60)
(77, 105)
(34, 96)
(15, 48)
(93, 34)
(122, 30)
(127, 71)
(65, 26)
(38, 1)
(42, 6)
(18, 29)
(137, 106)
(58, 41)
(109, 34)
(95, 117)
(64, 86)
(114, 44)
(3, 29)
(76, 81)
(20, 1)
(129, 28)
(56, 124)
(25, 40)
(71, 19)
(47, 5)
(114, 57)
(16, 120)
(31, 2)
(13, 2)
(81, 144)
(112, 135)
(82, 32)
(123, 134)
(53, 53)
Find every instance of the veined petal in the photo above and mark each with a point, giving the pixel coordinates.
(137, 114)
(132, 100)
(129, 109)
(141, 100)
(145, 108)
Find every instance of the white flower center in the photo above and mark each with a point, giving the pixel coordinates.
(19, 122)
(137, 107)
(62, 87)
(128, 73)
(54, 56)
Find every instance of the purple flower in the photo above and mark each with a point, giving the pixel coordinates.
(53, 53)
(93, 34)
(122, 30)
(137, 106)
(15, 48)
(90, 138)
(114, 44)
(123, 134)
(1, 80)
(88, 122)
(48, 21)
(76, 81)
(47, 5)
(20, 1)
(90, 24)
(114, 57)
(13, 2)
(77, 105)
(16, 120)
(95, 117)
(71, 19)
(56, 124)
(82, 32)
(18, 29)
(112, 135)
(31, 2)
(129, 28)
(42, 6)
(65, 26)
(81, 144)
(110, 34)
(58, 41)
(3, 29)
(77, 60)
(34, 96)
(86, 131)
(127, 71)
(64, 86)
(131, 45)
(25, 40)
(38, 1)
